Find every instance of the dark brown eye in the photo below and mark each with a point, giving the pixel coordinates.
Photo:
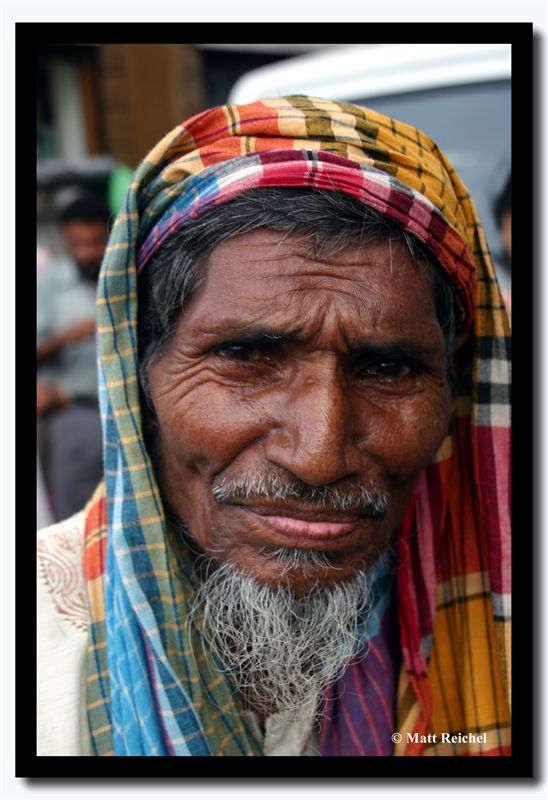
(237, 351)
(392, 369)
(386, 370)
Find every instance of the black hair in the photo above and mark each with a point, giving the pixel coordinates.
(86, 208)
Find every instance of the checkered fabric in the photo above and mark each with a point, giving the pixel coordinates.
(151, 686)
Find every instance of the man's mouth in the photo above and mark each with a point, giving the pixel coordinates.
(303, 523)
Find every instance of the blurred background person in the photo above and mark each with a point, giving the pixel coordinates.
(503, 215)
(67, 401)
(43, 260)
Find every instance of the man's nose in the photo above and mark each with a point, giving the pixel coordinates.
(316, 435)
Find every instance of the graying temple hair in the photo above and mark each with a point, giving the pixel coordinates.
(329, 221)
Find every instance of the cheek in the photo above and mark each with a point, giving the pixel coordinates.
(405, 437)
(207, 428)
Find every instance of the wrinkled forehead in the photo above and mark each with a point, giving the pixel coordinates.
(265, 258)
(262, 278)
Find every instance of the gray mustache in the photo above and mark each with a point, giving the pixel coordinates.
(364, 498)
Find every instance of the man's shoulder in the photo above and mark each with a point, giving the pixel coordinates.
(62, 641)
(60, 572)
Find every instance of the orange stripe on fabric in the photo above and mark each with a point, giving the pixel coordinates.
(94, 559)
(421, 688)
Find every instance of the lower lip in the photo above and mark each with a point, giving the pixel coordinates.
(306, 529)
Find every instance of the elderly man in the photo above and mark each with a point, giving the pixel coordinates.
(301, 543)
(67, 404)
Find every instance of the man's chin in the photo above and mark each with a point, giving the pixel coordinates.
(302, 575)
(297, 570)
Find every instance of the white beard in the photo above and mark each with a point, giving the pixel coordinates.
(280, 651)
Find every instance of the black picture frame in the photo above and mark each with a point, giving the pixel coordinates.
(73, 770)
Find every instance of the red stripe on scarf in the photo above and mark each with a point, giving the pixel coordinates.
(95, 550)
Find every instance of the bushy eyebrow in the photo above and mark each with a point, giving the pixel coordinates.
(398, 348)
(403, 347)
(239, 331)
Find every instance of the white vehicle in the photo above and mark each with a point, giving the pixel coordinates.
(459, 94)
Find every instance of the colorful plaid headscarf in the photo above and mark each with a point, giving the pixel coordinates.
(152, 686)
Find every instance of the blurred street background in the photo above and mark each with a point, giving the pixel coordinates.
(101, 107)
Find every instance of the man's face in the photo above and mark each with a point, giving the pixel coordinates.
(86, 242)
(304, 373)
